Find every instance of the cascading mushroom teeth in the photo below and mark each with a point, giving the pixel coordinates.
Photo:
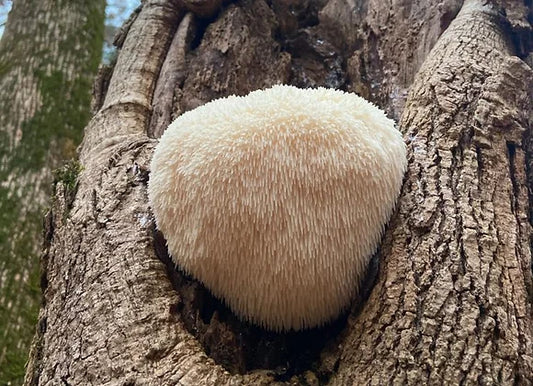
(276, 201)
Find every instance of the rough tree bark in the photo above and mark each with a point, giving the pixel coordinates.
(49, 55)
(452, 300)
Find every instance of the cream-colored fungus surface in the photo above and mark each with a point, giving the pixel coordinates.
(277, 200)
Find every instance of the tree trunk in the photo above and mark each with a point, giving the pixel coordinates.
(452, 300)
(49, 54)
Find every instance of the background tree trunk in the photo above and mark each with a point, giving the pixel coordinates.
(452, 301)
(49, 54)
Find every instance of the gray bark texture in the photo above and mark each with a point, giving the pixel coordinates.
(451, 300)
(49, 55)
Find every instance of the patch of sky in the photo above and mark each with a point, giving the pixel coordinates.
(5, 7)
(116, 13)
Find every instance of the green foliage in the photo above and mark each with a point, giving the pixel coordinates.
(68, 175)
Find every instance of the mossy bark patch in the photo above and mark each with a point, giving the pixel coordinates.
(49, 54)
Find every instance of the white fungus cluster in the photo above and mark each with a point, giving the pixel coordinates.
(277, 200)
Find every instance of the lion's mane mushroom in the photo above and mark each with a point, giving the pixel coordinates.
(277, 200)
